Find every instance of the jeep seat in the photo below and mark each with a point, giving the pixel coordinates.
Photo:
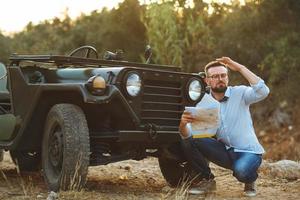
(4, 94)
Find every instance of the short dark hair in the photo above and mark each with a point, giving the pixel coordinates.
(213, 64)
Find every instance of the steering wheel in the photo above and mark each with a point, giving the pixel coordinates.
(85, 52)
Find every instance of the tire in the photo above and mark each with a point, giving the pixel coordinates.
(26, 161)
(176, 172)
(65, 148)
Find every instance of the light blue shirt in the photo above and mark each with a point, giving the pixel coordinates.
(236, 129)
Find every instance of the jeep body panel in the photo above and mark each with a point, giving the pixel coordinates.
(63, 110)
(151, 119)
(7, 126)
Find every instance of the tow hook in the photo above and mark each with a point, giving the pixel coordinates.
(152, 130)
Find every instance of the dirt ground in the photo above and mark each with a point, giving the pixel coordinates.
(138, 180)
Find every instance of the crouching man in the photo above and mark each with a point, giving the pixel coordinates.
(236, 146)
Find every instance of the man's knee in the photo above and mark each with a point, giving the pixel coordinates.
(188, 146)
(244, 174)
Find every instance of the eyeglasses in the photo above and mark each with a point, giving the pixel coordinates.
(218, 76)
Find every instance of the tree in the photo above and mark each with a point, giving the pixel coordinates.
(5, 48)
(163, 35)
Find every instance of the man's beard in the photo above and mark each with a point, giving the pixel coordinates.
(219, 89)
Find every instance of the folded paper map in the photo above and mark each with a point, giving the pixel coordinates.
(207, 119)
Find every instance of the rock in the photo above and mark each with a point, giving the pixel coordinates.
(52, 196)
(262, 133)
(280, 118)
(127, 167)
(167, 189)
(151, 181)
(286, 169)
(123, 177)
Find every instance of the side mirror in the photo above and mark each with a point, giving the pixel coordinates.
(148, 54)
(202, 75)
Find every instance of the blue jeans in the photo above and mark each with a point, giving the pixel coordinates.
(243, 164)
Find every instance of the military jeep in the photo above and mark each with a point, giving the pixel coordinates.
(61, 114)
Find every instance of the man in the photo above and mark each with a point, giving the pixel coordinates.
(236, 146)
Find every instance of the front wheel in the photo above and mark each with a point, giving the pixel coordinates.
(65, 149)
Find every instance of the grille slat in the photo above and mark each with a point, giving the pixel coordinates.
(160, 111)
(161, 98)
(161, 87)
(159, 118)
(162, 103)
(166, 113)
(163, 90)
(162, 95)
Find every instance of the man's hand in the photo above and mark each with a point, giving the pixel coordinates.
(234, 66)
(186, 117)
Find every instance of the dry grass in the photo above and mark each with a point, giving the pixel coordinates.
(181, 192)
(8, 183)
(17, 186)
(73, 183)
(144, 181)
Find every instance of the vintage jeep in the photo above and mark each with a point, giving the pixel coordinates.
(62, 114)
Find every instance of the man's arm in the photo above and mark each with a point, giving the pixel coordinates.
(234, 66)
(258, 90)
(185, 118)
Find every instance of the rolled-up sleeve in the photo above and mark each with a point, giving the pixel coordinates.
(256, 92)
(188, 127)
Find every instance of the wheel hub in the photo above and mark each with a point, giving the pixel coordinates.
(56, 149)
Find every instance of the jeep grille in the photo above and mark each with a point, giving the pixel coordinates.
(162, 103)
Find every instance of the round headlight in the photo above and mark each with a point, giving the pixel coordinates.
(195, 90)
(133, 84)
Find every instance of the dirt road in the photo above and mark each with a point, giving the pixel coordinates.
(138, 180)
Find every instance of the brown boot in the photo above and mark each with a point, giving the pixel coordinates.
(249, 190)
(203, 187)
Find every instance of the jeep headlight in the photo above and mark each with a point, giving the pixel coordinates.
(194, 89)
(133, 84)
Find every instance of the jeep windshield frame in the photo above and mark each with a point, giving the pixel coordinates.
(77, 62)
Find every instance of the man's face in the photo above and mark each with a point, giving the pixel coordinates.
(217, 79)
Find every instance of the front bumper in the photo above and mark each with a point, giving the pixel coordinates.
(148, 136)
(144, 136)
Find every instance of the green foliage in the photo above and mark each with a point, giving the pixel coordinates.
(283, 66)
(119, 28)
(183, 37)
(263, 35)
(44, 38)
(5, 48)
(199, 43)
(163, 33)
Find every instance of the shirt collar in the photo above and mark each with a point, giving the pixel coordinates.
(227, 92)
(226, 95)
